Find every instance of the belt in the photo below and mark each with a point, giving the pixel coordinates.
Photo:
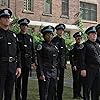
(27, 55)
(8, 59)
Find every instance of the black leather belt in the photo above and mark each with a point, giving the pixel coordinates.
(27, 55)
(8, 59)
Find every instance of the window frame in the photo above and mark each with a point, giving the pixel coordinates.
(45, 7)
(89, 10)
(26, 6)
(4, 3)
(67, 8)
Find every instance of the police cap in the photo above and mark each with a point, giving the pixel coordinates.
(47, 29)
(90, 30)
(24, 21)
(5, 12)
(77, 34)
(60, 26)
(97, 27)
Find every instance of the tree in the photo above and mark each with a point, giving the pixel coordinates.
(14, 25)
(49, 1)
(80, 24)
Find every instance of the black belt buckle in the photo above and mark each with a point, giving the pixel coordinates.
(11, 59)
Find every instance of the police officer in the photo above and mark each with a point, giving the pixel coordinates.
(9, 56)
(27, 59)
(75, 63)
(60, 43)
(98, 41)
(47, 55)
(90, 64)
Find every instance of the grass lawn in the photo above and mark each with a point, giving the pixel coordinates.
(33, 93)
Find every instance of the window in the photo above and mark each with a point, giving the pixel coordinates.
(88, 11)
(4, 2)
(65, 8)
(47, 6)
(28, 5)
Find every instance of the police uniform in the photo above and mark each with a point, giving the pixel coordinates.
(62, 57)
(27, 58)
(74, 57)
(90, 61)
(47, 55)
(98, 41)
(9, 59)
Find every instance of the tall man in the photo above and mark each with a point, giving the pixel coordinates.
(62, 57)
(90, 65)
(27, 59)
(75, 62)
(9, 56)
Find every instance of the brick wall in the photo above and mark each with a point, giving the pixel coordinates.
(37, 15)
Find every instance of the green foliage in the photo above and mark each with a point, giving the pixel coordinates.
(68, 40)
(81, 25)
(14, 25)
(49, 1)
(37, 37)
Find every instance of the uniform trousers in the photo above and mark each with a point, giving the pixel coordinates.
(22, 84)
(91, 84)
(60, 84)
(76, 83)
(6, 86)
(47, 89)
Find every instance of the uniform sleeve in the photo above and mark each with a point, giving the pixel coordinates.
(18, 55)
(33, 51)
(82, 58)
(71, 57)
(39, 60)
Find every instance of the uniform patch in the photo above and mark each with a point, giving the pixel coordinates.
(81, 46)
(39, 47)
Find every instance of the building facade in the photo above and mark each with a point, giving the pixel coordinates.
(52, 12)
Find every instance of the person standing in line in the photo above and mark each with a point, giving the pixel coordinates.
(10, 65)
(90, 65)
(26, 46)
(47, 59)
(74, 56)
(62, 58)
(98, 41)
